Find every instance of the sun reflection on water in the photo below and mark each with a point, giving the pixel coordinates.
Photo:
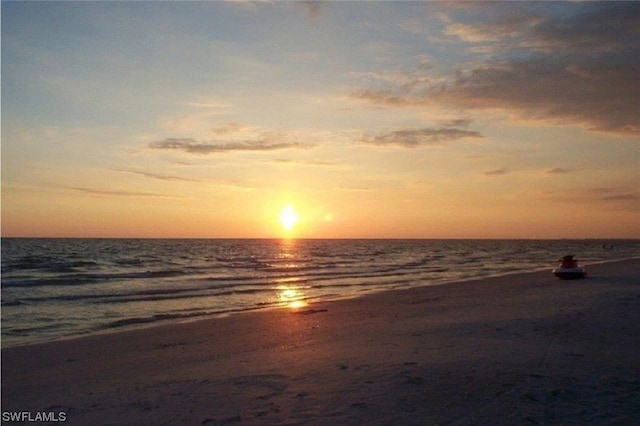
(289, 294)
(290, 297)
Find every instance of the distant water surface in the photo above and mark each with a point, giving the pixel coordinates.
(54, 288)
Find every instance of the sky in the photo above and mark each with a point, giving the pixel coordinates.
(338, 119)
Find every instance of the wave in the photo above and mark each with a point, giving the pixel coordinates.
(45, 263)
(173, 316)
(87, 278)
(21, 331)
(145, 320)
(13, 303)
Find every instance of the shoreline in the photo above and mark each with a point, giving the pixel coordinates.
(516, 348)
(151, 324)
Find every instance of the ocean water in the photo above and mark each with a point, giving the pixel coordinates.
(55, 288)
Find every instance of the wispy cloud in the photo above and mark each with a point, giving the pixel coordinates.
(159, 176)
(611, 197)
(504, 27)
(607, 190)
(623, 197)
(497, 172)
(119, 193)
(456, 122)
(559, 171)
(222, 107)
(618, 193)
(228, 129)
(313, 7)
(192, 146)
(319, 163)
(235, 137)
(411, 138)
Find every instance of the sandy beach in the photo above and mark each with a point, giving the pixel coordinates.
(518, 349)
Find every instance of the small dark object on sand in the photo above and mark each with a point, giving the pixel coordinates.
(569, 269)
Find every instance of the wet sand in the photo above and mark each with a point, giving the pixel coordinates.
(518, 349)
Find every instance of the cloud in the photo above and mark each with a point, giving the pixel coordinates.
(591, 27)
(619, 193)
(385, 97)
(419, 137)
(625, 198)
(456, 122)
(498, 30)
(607, 189)
(559, 171)
(228, 128)
(319, 163)
(313, 7)
(94, 191)
(622, 197)
(235, 137)
(212, 106)
(192, 146)
(156, 175)
(595, 27)
(598, 96)
(497, 172)
(579, 71)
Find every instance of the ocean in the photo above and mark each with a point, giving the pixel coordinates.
(58, 288)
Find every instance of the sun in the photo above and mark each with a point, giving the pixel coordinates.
(288, 217)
